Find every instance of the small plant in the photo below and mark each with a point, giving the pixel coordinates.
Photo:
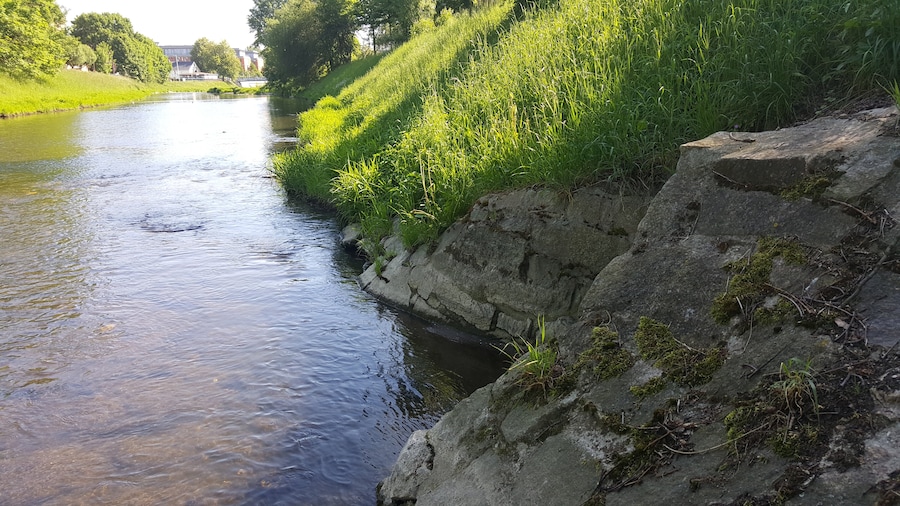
(894, 91)
(649, 388)
(797, 385)
(749, 286)
(537, 362)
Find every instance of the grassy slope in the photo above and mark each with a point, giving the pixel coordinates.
(577, 92)
(71, 89)
(340, 78)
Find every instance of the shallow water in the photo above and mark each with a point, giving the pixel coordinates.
(175, 330)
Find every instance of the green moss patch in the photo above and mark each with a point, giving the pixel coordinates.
(606, 357)
(649, 388)
(812, 186)
(749, 286)
(680, 363)
(802, 415)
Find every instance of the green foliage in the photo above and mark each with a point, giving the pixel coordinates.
(307, 38)
(219, 58)
(72, 89)
(579, 91)
(105, 60)
(261, 12)
(133, 54)
(338, 79)
(347, 131)
(80, 54)
(749, 285)
(680, 363)
(894, 91)
(781, 411)
(32, 43)
(797, 385)
(649, 388)
(535, 362)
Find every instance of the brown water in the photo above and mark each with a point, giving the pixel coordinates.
(175, 330)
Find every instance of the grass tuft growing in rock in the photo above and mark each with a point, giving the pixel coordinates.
(536, 363)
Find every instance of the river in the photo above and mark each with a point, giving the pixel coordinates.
(175, 330)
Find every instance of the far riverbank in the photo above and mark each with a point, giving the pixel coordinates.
(73, 89)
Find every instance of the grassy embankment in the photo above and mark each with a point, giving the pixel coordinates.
(576, 92)
(71, 89)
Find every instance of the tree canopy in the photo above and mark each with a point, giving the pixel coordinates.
(32, 42)
(261, 12)
(218, 58)
(132, 53)
(306, 38)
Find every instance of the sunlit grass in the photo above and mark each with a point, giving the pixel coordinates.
(71, 89)
(339, 78)
(578, 92)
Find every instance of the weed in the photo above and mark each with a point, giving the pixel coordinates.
(577, 92)
(535, 362)
(894, 91)
(782, 411)
(798, 386)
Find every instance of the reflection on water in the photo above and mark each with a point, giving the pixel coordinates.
(173, 330)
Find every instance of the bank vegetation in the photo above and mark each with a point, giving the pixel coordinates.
(73, 89)
(572, 92)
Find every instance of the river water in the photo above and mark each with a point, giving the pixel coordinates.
(175, 330)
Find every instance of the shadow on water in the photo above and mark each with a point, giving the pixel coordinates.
(439, 365)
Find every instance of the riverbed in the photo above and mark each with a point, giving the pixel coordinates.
(174, 329)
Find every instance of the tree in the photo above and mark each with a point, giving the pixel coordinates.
(218, 58)
(391, 21)
(79, 54)
(290, 38)
(105, 62)
(307, 38)
(337, 22)
(261, 12)
(32, 43)
(133, 53)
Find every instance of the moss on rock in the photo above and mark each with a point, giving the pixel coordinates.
(680, 363)
(750, 284)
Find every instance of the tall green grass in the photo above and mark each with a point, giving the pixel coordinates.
(575, 93)
(371, 113)
(72, 89)
(338, 79)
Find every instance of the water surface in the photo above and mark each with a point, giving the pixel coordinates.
(175, 330)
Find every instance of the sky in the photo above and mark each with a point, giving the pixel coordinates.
(176, 22)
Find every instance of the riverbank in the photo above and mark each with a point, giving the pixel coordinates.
(72, 89)
(741, 349)
(564, 94)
